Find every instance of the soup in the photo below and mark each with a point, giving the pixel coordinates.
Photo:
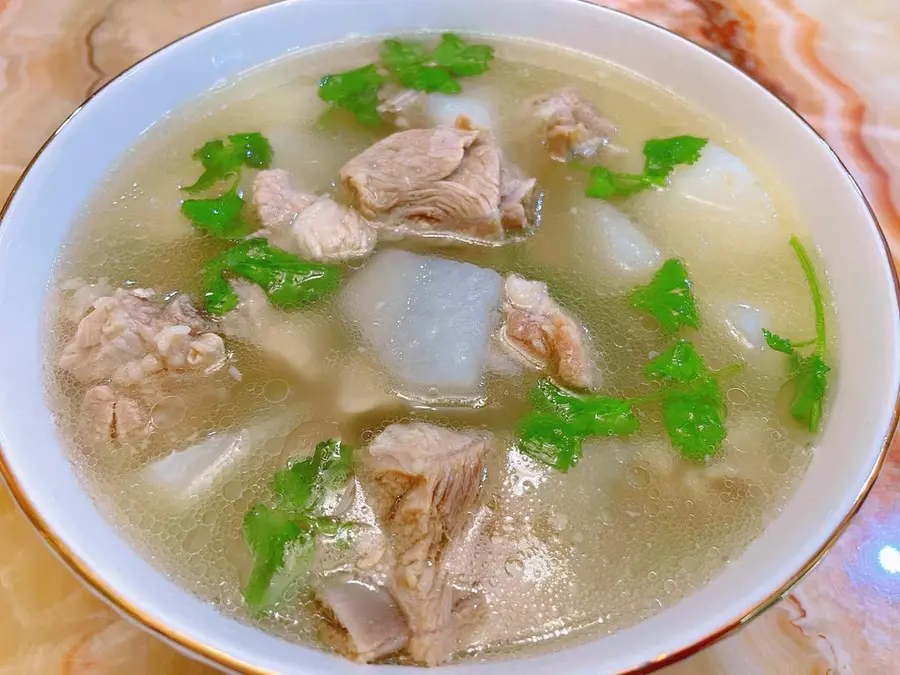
(467, 349)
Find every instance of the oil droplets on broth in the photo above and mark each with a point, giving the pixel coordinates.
(630, 530)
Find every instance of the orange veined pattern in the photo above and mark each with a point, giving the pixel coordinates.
(789, 65)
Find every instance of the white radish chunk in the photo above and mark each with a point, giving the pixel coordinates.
(429, 319)
(190, 474)
(714, 213)
(443, 109)
(612, 246)
(741, 324)
(599, 243)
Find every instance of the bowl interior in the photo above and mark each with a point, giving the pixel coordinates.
(37, 221)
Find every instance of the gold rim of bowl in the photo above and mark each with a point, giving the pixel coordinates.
(202, 650)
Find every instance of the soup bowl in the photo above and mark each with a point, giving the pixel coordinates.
(863, 396)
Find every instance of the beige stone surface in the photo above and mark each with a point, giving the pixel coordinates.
(835, 61)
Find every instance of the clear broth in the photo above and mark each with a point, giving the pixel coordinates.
(631, 530)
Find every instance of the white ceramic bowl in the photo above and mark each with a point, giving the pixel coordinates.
(863, 395)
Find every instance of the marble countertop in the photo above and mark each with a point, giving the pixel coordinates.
(835, 61)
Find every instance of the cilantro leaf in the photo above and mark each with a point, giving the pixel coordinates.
(282, 539)
(585, 415)
(692, 406)
(254, 149)
(605, 416)
(694, 418)
(809, 373)
(219, 297)
(221, 160)
(435, 71)
(810, 384)
(662, 155)
(414, 67)
(304, 483)
(549, 398)
(288, 281)
(681, 363)
(778, 343)
(553, 432)
(429, 79)
(668, 297)
(219, 216)
(693, 411)
(815, 290)
(269, 533)
(606, 183)
(218, 164)
(549, 439)
(403, 55)
(355, 91)
(460, 58)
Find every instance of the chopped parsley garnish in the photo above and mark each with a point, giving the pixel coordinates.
(588, 415)
(304, 484)
(355, 91)
(808, 372)
(668, 297)
(288, 281)
(681, 363)
(460, 58)
(415, 68)
(778, 343)
(282, 538)
(694, 417)
(435, 71)
(606, 183)
(561, 420)
(693, 411)
(810, 383)
(413, 65)
(550, 439)
(223, 160)
(219, 216)
(606, 416)
(661, 156)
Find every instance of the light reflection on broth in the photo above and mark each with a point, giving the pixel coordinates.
(632, 529)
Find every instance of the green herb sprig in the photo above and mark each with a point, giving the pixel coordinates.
(809, 371)
(355, 91)
(224, 159)
(415, 67)
(412, 65)
(693, 411)
(669, 297)
(661, 156)
(221, 216)
(289, 281)
(282, 538)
